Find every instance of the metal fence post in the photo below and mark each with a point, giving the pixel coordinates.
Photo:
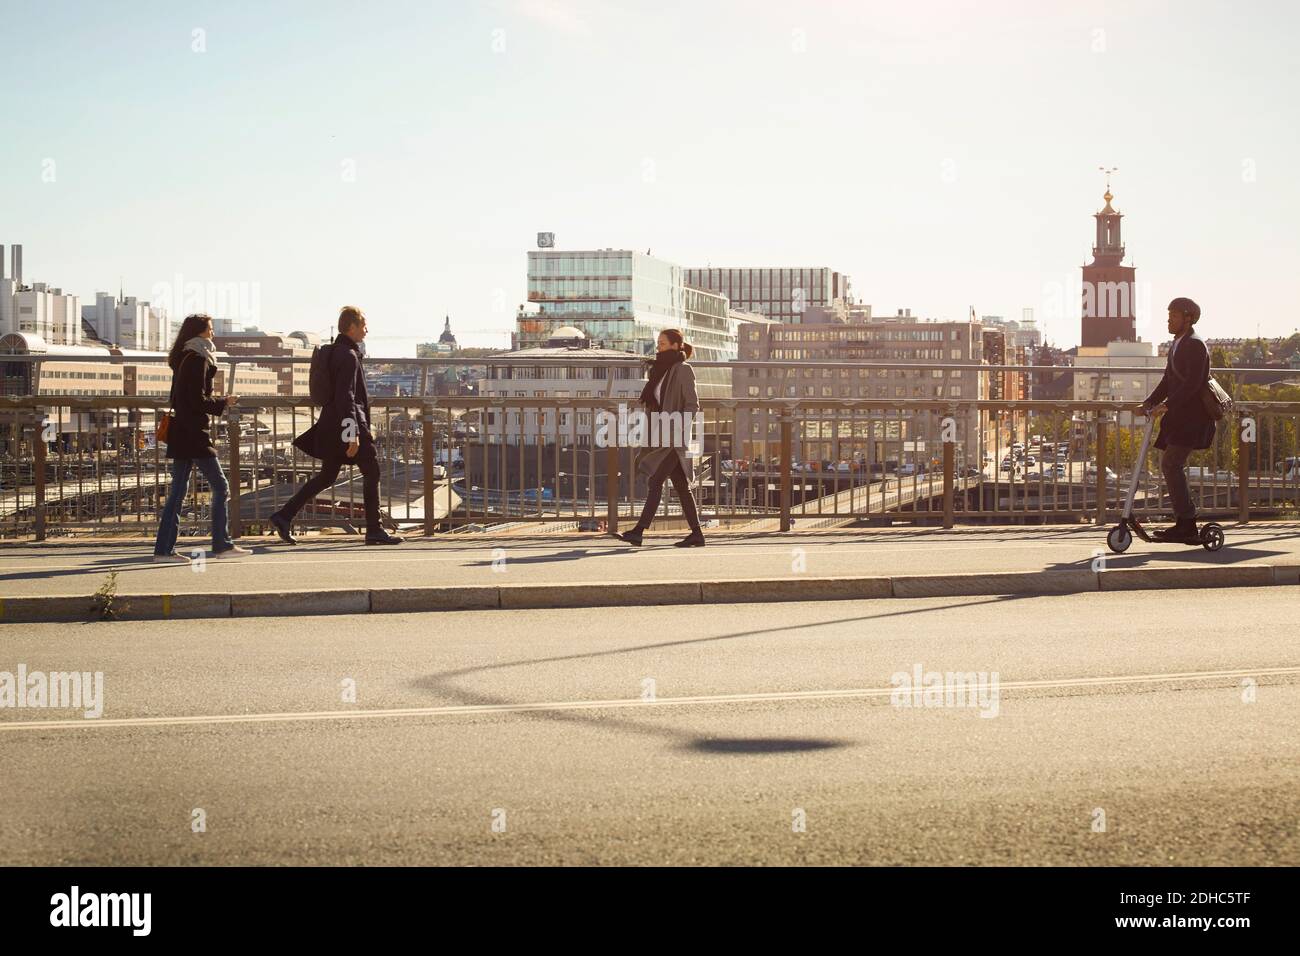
(949, 457)
(38, 465)
(1243, 474)
(786, 428)
(1101, 469)
(612, 488)
(426, 444)
(232, 435)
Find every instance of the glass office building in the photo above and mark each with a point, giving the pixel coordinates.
(781, 294)
(622, 300)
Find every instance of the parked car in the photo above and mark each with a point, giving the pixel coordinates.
(439, 471)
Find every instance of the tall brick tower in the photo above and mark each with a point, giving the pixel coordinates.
(1109, 291)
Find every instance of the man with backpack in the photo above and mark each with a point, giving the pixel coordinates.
(342, 433)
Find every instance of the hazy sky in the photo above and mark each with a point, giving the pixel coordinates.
(403, 156)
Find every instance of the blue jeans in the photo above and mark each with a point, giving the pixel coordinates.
(169, 523)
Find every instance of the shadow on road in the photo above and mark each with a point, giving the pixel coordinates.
(443, 684)
(576, 554)
(1182, 553)
(760, 745)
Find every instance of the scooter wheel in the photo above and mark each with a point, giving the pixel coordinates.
(1212, 537)
(1119, 538)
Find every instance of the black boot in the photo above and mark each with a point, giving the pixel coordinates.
(381, 536)
(632, 537)
(694, 540)
(283, 528)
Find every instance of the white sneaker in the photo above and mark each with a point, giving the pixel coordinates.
(235, 552)
(172, 558)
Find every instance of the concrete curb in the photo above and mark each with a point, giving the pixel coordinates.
(472, 597)
(1227, 576)
(296, 603)
(999, 582)
(139, 607)
(794, 589)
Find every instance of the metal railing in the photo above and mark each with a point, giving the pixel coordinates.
(74, 464)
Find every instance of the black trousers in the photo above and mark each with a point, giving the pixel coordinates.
(367, 461)
(670, 469)
(1172, 463)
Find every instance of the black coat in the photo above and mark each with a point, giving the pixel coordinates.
(324, 440)
(1186, 423)
(192, 403)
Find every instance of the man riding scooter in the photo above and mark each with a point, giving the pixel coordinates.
(1186, 425)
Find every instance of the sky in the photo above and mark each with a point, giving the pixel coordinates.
(403, 156)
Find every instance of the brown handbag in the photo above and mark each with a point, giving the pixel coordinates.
(165, 420)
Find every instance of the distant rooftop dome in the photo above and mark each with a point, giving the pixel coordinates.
(567, 336)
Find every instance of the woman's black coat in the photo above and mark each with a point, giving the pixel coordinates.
(192, 403)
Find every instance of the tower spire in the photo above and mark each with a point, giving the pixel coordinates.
(1108, 285)
(1108, 197)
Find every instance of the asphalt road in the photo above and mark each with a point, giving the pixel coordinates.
(80, 567)
(1131, 704)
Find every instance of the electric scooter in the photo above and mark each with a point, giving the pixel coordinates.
(1121, 536)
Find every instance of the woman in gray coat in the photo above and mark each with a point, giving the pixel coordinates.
(670, 388)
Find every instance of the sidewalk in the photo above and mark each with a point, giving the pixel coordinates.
(336, 574)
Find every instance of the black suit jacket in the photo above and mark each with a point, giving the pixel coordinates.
(1187, 370)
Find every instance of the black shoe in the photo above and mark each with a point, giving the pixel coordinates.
(1184, 532)
(694, 540)
(382, 537)
(632, 537)
(283, 529)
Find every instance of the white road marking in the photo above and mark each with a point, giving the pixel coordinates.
(458, 710)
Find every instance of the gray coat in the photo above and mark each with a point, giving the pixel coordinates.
(677, 395)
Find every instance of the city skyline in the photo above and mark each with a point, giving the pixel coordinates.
(443, 141)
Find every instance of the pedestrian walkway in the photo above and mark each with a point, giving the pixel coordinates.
(329, 562)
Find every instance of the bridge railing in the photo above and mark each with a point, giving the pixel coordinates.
(77, 464)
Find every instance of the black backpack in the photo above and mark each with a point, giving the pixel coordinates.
(320, 384)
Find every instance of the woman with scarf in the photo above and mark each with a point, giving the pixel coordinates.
(670, 388)
(193, 360)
